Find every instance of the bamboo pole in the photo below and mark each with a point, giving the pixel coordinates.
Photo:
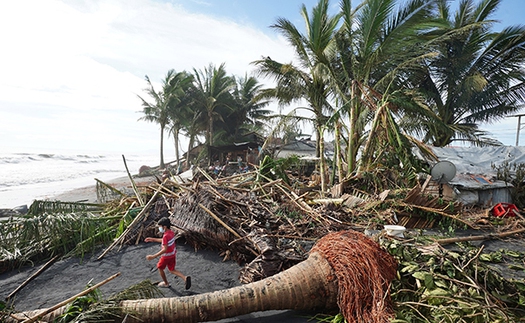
(38, 272)
(69, 300)
(111, 188)
(205, 174)
(133, 183)
(483, 237)
(225, 226)
(263, 186)
(135, 220)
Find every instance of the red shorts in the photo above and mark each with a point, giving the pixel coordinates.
(166, 262)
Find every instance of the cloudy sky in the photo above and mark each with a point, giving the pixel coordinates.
(71, 70)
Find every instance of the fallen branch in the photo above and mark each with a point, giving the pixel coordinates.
(208, 177)
(483, 237)
(137, 218)
(69, 300)
(133, 183)
(111, 188)
(227, 227)
(440, 212)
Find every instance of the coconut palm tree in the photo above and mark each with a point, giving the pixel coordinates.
(158, 111)
(213, 92)
(194, 125)
(378, 46)
(308, 80)
(246, 115)
(251, 111)
(478, 76)
(178, 106)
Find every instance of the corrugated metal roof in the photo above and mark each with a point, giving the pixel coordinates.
(474, 165)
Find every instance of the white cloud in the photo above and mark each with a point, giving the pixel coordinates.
(72, 70)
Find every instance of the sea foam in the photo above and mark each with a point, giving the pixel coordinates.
(26, 176)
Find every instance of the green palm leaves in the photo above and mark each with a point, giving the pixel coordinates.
(165, 108)
(388, 76)
(208, 103)
(476, 77)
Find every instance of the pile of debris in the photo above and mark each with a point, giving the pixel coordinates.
(269, 226)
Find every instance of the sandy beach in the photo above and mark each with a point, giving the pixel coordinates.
(67, 277)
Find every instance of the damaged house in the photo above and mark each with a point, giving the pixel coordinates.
(475, 181)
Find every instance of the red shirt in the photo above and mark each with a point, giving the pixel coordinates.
(168, 240)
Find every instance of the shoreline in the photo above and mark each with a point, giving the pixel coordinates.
(84, 193)
(88, 194)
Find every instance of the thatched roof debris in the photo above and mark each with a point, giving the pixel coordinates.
(267, 226)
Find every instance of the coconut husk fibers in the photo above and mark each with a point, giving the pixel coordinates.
(364, 272)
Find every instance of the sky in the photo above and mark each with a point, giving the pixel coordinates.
(71, 71)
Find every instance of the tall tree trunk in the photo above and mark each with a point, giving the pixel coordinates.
(176, 139)
(322, 161)
(353, 137)
(337, 151)
(210, 136)
(366, 158)
(190, 146)
(162, 165)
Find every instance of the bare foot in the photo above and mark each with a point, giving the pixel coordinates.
(163, 284)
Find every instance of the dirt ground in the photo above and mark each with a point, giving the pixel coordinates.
(65, 278)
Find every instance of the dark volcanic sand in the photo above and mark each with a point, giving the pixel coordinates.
(66, 278)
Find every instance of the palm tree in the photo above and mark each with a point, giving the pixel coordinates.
(213, 91)
(250, 111)
(178, 106)
(309, 80)
(377, 48)
(478, 76)
(194, 121)
(158, 110)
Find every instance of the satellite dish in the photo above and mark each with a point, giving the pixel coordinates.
(443, 172)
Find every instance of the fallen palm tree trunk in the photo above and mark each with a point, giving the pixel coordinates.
(310, 285)
(344, 269)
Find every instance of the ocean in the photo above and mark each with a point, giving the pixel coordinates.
(29, 176)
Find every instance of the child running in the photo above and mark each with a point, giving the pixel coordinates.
(167, 253)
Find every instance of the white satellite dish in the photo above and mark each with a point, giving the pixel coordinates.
(443, 172)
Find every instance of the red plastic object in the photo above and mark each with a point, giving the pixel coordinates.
(504, 210)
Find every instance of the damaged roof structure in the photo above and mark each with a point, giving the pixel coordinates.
(475, 182)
